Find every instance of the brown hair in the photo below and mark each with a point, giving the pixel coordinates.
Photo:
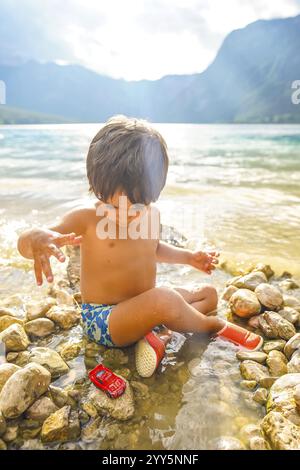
(127, 154)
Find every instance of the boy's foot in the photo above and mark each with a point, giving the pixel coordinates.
(149, 352)
(241, 337)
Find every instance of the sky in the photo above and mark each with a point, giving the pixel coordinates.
(131, 39)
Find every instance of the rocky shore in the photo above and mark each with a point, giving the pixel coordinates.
(47, 401)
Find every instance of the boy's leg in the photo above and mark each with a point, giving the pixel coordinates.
(204, 298)
(132, 319)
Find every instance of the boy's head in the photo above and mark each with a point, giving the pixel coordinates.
(129, 156)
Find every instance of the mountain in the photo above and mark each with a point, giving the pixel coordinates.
(10, 115)
(249, 81)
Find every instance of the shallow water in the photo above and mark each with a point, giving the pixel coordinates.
(233, 187)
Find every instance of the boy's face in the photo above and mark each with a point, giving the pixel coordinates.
(123, 210)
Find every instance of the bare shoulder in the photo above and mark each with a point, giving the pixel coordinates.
(77, 220)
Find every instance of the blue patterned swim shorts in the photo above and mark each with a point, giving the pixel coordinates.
(95, 319)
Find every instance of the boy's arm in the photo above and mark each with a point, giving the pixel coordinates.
(204, 261)
(40, 244)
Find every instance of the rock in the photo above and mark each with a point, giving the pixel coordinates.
(121, 409)
(251, 281)
(248, 384)
(297, 397)
(267, 382)
(92, 430)
(226, 443)
(61, 426)
(14, 300)
(290, 314)
(256, 356)
(265, 268)
(248, 431)
(282, 433)
(40, 327)
(6, 371)
(266, 329)
(3, 446)
(11, 433)
(140, 390)
(228, 292)
(6, 311)
(114, 358)
(77, 297)
(49, 359)
(59, 396)
(251, 370)
(260, 395)
(244, 303)
(280, 327)
(294, 364)
(64, 316)
(70, 350)
(269, 296)
(277, 363)
(288, 284)
(291, 301)
(253, 322)
(281, 397)
(2, 424)
(292, 345)
(22, 389)
(7, 320)
(38, 309)
(14, 338)
(277, 345)
(41, 409)
(18, 358)
(258, 443)
(62, 296)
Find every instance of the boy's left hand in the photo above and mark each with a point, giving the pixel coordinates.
(204, 260)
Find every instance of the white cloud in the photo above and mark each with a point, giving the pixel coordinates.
(132, 39)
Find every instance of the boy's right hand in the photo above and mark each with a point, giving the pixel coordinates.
(47, 243)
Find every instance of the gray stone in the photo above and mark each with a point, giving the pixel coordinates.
(38, 309)
(280, 327)
(260, 395)
(256, 356)
(64, 316)
(277, 363)
(281, 433)
(269, 296)
(292, 345)
(251, 281)
(41, 409)
(14, 338)
(228, 292)
(22, 389)
(120, 409)
(294, 364)
(281, 397)
(6, 371)
(49, 359)
(290, 314)
(40, 327)
(61, 426)
(251, 370)
(244, 303)
(277, 345)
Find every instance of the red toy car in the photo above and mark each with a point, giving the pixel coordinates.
(107, 381)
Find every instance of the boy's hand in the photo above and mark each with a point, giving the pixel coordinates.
(47, 243)
(204, 260)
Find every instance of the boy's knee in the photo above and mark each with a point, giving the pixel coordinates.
(168, 302)
(210, 294)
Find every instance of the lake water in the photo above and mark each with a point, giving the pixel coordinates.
(234, 187)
